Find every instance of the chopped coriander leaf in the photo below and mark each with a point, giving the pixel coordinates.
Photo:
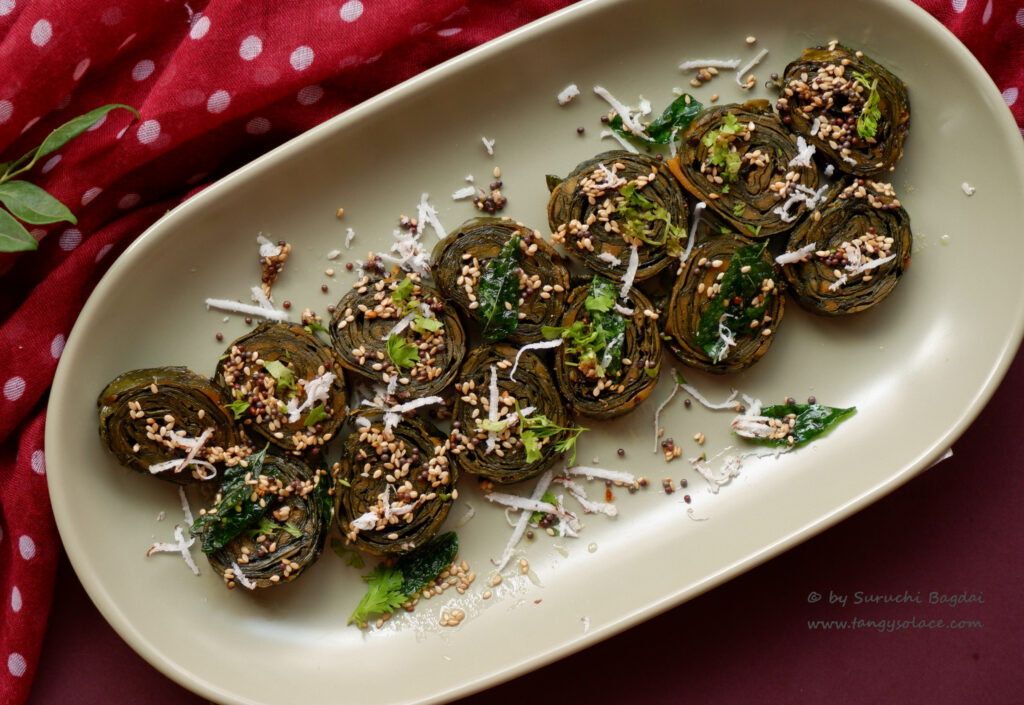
(401, 293)
(238, 407)
(719, 143)
(424, 325)
(597, 344)
(279, 371)
(317, 414)
(535, 428)
(405, 355)
(739, 209)
(314, 327)
(548, 497)
(642, 216)
(383, 594)
(867, 121)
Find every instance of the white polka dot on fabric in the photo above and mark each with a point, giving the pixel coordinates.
(38, 461)
(449, 32)
(90, 194)
(29, 124)
(6, 110)
(51, 162)
(148, 131)
(111, 16)
(64, 102)
(1020, 17)
(70, 239)
(127, 41)
(14, 388)
(97, 125)
(80, 69)
(302, 58)
(16, 599)
(41, 33)
(250, 48)
(351, 11)
(959, 5)
(218, 102)
(27, 547)
(16, 664)
(6, 7)
(258, 126)
(103, 251)
(143, 70)
(309, 95)
(987, 15)
(200, 27)
(129, 200)
(57, 345)
(1010, 95)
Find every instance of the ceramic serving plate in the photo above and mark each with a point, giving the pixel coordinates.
(918, 368)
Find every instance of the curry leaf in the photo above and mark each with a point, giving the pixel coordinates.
(32, 204)
(13, 235)
(808, 421)
(739, 302)
(678, 115)
(498, 293)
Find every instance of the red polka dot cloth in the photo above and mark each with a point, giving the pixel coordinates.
(216, 83)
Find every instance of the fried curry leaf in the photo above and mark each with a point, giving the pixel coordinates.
(235, 511)
(679, 113)
(498, 293)
(739, 302)
(808, 421)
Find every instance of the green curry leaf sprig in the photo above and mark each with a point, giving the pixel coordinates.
(23, 201)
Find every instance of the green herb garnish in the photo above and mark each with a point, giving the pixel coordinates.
(236, 511)
(533, 429)
(388, 588)
(498, 293)
(405, 355)
(29, 203)
(724, 319)
(402, 291)
(317, 414)
(641, 215)
(280, 372)
(267, 527)
(596, 344)
(867, 121)
(424, 325)
(238, 407)
(673, 119)
(550, 498)
(719, 142)
(808, 421)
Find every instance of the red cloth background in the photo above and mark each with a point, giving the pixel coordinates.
(217, 83)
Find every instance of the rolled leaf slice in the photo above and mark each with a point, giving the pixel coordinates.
(532, 279)
(268, 522)
(744, 164)
(725, 306)
(616, 201)
(284, 385)
(500, 444)
(861, 247)
(149, 418)
(849, 107)
(399, 331)
(593, 382)
(397, 484)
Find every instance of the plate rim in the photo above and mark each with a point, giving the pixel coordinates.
(114, 614)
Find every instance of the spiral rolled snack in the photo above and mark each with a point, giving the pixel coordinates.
(853, 256)
(285, 385)
(725, 306)
(268, 522)
(169, 422)
(491, 262)
(399, 331)
(849, 107)
(743, 163)
(615, 204)
(610, 355)
(399, 484)
(525, 431)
